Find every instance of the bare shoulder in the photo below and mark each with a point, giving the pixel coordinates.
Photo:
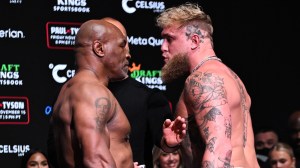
(208, 85)
(86, 90)
(217, 78)
(86, 96)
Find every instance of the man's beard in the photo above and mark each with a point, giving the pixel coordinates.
(177, 67)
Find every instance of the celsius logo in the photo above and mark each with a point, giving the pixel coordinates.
(155, 6)
(17, 149)
(10, 33)
(60, 69)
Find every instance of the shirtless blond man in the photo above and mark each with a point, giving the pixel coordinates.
(214, 99)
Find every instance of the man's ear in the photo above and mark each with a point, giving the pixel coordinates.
(98, 48)
(196, 40)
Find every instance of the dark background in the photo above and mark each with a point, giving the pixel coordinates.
(257, 39)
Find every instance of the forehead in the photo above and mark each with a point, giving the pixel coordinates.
(172, 30)
(116, 36)
(37, 156)
(280, 154)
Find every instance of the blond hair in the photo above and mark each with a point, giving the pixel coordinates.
(281, 146)
(184, 15)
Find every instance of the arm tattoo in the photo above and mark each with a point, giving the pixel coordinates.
(206, 132)
(228, 128)
(210, 116)
(207, 164)
(205, 93)
(103, 106)
(226, 160)
(207, 90)
(211, 144)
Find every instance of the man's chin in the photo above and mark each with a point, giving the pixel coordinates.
(175, 68)
(168, 77)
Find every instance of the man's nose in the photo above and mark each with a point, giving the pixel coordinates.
(163, 46)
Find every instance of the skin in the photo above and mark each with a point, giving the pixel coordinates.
(120, 26)
(169, 160)
(214, 101)
(90, 127)
(265, 140)
(281, 159)
(37, 160)
(174, 131)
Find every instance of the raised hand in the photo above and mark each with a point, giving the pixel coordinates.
(173, 134)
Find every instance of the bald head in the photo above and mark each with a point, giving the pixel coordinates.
(118, 24)
(95, 30)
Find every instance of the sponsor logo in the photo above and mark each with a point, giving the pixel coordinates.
(20, 150)
(48, 110)
(9, 75)
(60, 73)
(11, 34)
(130, 6)
(152, 41)
(61, 35)
(15, 1)
(14, 110)
(73, 6)
(151, 78)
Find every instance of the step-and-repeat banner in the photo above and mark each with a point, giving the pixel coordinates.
(36, 41)
(36, 59)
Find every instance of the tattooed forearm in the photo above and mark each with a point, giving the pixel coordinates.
(206, 132)
(102, 105)
(228, 128)
(211, 144)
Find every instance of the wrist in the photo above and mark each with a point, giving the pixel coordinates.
(167, 148)
(176, 146)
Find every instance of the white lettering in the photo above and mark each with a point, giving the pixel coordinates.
(11, 33)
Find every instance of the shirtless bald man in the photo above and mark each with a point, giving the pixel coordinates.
(214, 99)
(90, 127)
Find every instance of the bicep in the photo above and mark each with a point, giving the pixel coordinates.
(209, 105)
(91, 114)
